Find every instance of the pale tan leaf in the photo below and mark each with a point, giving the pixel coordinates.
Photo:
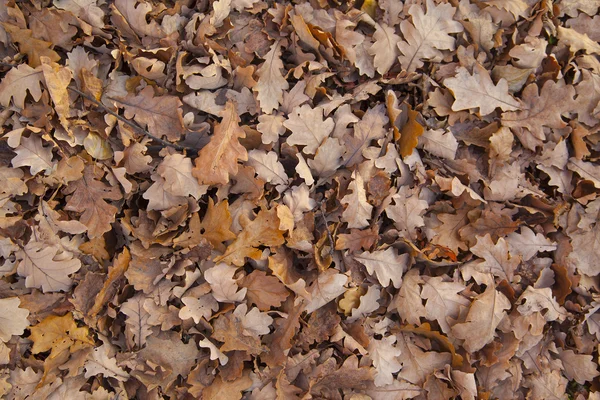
(407, 211)
(478, 91)
(43, 268)
(440, 143)
(267, 166)
(541, 300)
(176, 169)
(136, 322)
(308, 128)
(271, 82)
(17, 82)
(32, 153)
(328, 286)
(13, 319)
(101, 363)
(224, 287)
(162, 115)
(385, 48)
(386, 264)
(358, 211)
(444, 303)
(385, 358)
(427, 34)
(485, 314)
(198, 308)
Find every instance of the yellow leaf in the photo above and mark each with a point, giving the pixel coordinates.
(97, 147)
(58, 333)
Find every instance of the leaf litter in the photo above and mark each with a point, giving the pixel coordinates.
(289, 200)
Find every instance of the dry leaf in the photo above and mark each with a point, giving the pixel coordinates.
(427, 35)
(478, 91)
(485, 314)
(218, 159)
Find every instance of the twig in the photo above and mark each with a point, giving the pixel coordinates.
(132, 124)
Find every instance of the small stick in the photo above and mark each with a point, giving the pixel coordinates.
(132, 124)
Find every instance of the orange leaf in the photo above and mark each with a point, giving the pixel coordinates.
(219, 158)
(409, 135)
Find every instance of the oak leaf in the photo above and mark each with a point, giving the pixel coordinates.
(176, 170)
(444, 303)
(527, 243)
(271, 83)
(578, 367)
(134, 17)
(138, 328)
(229, 329)
(198, 308)
(418, 365)
(220, 389)
(485, 314)
(406, 211)
(101, 363)
(14, 318)
(358, 211)
(32, 153)
(263, 290)
(440, 143)
(385, 47)
(59, 333)
(88, 197)
(427, 34)
(34, 48)
(219, 158)
(17, 82)
(478, 91)
(408, 301)
(497, 259)
(44, 268)
(357, 239)
(586, 251)
(262, 231)
(216, 224)
(166, 354)
(162, 115)
(367, 304)
(271, 127)
(410, 132)
(516, 7)
(224, 287)
(386, 264)
(57, 80)
(385, 358)
(267, 166)
(543, 109)
(308, 128)
(328, 286)
(543, 301)
(87, 10)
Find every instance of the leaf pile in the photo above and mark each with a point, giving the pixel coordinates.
(299, 200)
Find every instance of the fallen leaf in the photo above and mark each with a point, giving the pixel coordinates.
(485, 314)
(218, 159)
